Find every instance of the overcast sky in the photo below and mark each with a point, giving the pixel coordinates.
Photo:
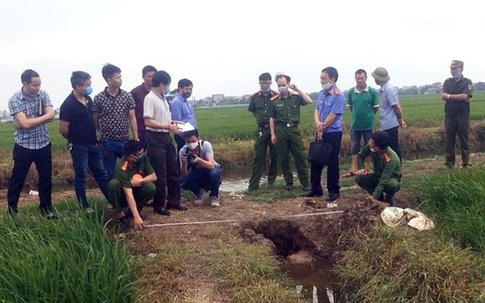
(223, 46)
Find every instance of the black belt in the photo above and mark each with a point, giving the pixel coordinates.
(287, 124)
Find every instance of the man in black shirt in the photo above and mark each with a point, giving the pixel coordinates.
(457, 92)
(77, 126)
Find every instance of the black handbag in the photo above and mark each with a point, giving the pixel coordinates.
(319, 153)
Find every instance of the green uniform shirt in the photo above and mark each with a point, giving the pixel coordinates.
(362, 104)
(457, 107)
(260, 105)
(143, 167)
(287, 109)
(385, 167)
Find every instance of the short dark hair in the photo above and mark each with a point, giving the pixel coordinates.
(190, 133)
(331, 72)
(288, 78)
(184, 83)
(109, 70)
(265, 77)
(78, 78)
(161, 77)
(381, 139)
(361, 71)
(27, 75)
(147, 69)
(132, 146)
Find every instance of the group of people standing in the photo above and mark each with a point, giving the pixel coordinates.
(277, 115)
(129, 172)
(151, 167)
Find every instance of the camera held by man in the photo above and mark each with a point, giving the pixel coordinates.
(198, 169)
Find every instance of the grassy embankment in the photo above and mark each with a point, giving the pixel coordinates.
(405, 265)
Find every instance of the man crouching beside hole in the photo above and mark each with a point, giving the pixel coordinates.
(198, 169)
(132, 185)
(385, 180)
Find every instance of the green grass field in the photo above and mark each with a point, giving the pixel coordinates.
(237, 123)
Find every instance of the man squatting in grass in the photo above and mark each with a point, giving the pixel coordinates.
(386, 177)
(132, 185)
(198, 169)
(77, 126)
(32, 109)
(259, 105)
(457, 92)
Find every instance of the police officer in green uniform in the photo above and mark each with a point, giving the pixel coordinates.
(386, 177)
(259, 106)
(285, 117)
(457, 92)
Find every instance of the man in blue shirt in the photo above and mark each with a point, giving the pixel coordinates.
(390, 112)
(181, 108)
(32, 109)
(328, 122)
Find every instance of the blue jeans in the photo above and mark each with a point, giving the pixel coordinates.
(355, 136)
(84, 157)
(111, 150)
(198, 178)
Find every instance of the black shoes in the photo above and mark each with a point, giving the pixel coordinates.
(162, 211)
(125, 223)
(177, 207)
(307, 191)
(332, 197)
(289, 187)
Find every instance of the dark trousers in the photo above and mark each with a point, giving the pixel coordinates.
(163, 157)
(333, 172)
(457, 125)
(86, 156)
(198, 178)
(394, 140)
(180, 143)
(262, 142)
(23, 158)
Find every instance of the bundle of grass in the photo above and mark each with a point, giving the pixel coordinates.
(67, 260)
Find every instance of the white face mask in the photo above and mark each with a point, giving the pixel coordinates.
(373, 150)
(326, 86)
(192, 145)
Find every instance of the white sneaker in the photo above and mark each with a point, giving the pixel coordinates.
(332, 204)
(215, 201)
(200, 197)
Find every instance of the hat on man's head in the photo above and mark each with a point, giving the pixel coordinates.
(456, 63)
(381, 74)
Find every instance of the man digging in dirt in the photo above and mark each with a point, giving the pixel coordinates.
(386, 178)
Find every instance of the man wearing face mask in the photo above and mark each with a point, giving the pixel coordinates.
(160, 148)
(284, 120)
(132, 186)
(457, 92)
(181, 108)
(198, 168)
(385, 180)
(328, 123)
(259, 105)
(113, 113)
(77, 126)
